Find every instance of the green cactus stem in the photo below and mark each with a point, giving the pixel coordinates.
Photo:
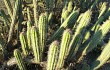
(53, 55)
(65, 15)
(42, 28)
(70, 5)
(29, 34)
(102, 59)
(64, 48)
(103, 9)
(15, 12)
(19, 59)
(9, 7)
(34, 42)
(24, 45)
(69, 21)
(96, 38)
(35, 4)
(28, 14)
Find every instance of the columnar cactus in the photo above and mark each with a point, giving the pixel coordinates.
(9, 7)
(105, 55)
(28, 15)
(69, 21)
(80, 30)
(35, 4)
(15, 12)
(53, 55)
(29, 34)
(103, 9)
(70, 5)
(96, 38)
(64, 48)
(42, 29)
(65, 15)
(19, 59)
(34, 42)
(24, 45)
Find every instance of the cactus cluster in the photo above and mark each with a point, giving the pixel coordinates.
(82, 27)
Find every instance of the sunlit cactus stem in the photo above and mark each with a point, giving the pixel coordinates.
(42, 29)
(24, 45)
(64, 48)
(34, 42)
(19, 59)
(70, 5)
(29, 34)
(15, 12)
(102, 59)
(96, 38)
(53, 55)
(35, 4)
(28, 14)
(9, 7)
(68, 22)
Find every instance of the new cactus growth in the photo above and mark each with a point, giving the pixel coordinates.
(42, 29)
(35, 46)
(102, 59)
(64, 48)
(19, 59)
(53, 55)
(24, 45)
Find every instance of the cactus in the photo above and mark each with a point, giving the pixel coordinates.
(28, 15)
(5, 18)
(19, 59)
(64, 48)
(96, 38)
(96, 26)
(103, 9)
(104, 56)
(29, 34)
(52, 55)
(35, 46)
(35, 4)
(70, 5)
(69, 21)
(80, 30)
(24, 45)
(65, 15)
(9, 7)
(15, 11)
(42, 28)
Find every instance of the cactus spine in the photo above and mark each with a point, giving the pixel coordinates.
(105, 55)
(64, 48)
(35, 46)
(24, 43)
(52, 55)
(19, 59)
